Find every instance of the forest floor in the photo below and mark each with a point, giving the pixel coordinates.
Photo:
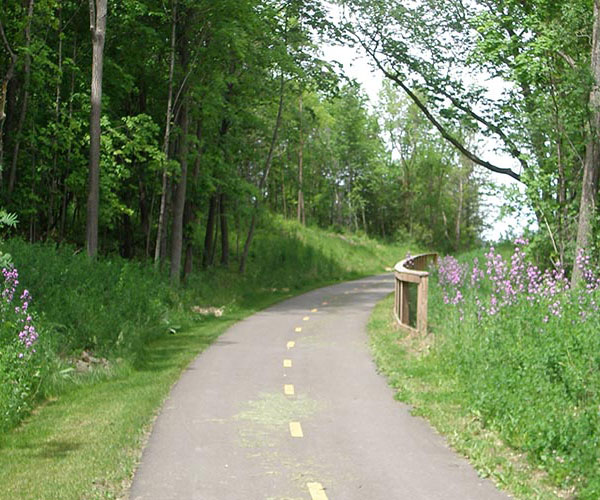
(288, 404)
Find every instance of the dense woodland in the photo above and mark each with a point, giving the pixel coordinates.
(165, 130)
(212, 113)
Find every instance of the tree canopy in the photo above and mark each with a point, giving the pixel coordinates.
(214, 113)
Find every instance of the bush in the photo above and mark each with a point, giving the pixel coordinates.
(109, 306)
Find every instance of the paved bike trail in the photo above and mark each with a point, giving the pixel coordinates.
(287, 405)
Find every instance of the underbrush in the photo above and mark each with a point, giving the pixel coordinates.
(515, 352)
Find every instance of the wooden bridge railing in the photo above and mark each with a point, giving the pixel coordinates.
(407, 271)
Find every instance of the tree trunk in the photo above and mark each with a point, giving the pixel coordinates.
(127, 243)
(8, 76)
(66, 195)
(364, 217)
(166, 140)
(263, 180)
(54, 187)
(179, 203)
(189, 213)
(589, 187)
(224, 233)
(283, 193)
(213, 252)
(24, 100)
(301, 214)
(210, 230)
(98, 13)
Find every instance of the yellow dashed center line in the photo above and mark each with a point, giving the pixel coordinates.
(298, 329)
(306, 318)
(290, 344)
(316, 490)
(296, 430)
(314, 310)
(288, 389)
(287, 363)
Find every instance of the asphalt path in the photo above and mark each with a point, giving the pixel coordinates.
(288, 405)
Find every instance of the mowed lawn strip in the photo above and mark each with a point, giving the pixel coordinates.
(85, 444)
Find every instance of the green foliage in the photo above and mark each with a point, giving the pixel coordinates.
(531, 377)
(110, 306)
(7, 220)
(516, 72)
(439, 190)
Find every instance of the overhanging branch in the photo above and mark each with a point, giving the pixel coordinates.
(440, 127)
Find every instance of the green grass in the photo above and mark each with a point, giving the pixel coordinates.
(85, 442)
(85, 436)
(415, 367)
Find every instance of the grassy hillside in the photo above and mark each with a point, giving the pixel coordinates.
(114, 337)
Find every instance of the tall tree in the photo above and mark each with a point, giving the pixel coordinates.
(98, 13)
(167, 137)
(591, 166)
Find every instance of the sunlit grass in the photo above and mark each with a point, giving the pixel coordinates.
(85, 442)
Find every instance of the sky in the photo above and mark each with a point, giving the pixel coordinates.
(356, 65)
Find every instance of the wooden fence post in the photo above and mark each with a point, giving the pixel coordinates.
(412, 270)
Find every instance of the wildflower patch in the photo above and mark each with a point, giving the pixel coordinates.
(19, 363)
(523, 346)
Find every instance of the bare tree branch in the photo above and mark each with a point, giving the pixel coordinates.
(12, 55)
(569, 60)
(514, 151)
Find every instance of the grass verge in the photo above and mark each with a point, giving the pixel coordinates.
(422, 379)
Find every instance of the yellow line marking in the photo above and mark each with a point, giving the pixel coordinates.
(287, 363)
(288, 389)
(291, 344)
(306, 318)
(298, 329)
(316, 490)
(314, 310)
(296, 430)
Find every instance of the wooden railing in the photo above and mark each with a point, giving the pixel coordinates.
(412, 271)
